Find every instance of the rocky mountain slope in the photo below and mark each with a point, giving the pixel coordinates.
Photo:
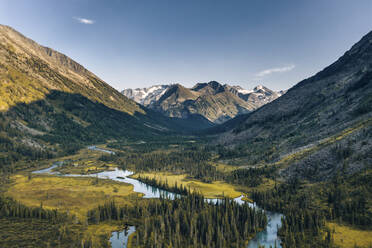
(30, 71)
(320, 126)
(50, 103)
(213, 101)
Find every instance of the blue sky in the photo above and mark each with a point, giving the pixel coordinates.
(141, 43)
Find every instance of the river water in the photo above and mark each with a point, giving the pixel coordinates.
(268, 237)
(120, 239)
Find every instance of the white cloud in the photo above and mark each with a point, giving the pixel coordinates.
(273, 70)
(84, 21)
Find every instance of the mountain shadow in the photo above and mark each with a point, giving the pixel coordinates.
(62, 123)
(320, 126)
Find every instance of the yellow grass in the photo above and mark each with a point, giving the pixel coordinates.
(17, 87)
(97, 233)
(264, 186)
(76, 195)
(209, 190)
(224, 167)
(84, 162)
(345, 236)
(130, 240)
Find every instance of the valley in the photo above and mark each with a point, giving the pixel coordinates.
(78, 195)
(213, 165)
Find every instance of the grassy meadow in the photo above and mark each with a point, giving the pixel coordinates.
(86, 161)
(72, 194)
(210, 190)
(346, 236)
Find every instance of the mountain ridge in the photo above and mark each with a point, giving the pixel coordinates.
(42, 63)
(318, 127)
(214, 101)
(51, 105)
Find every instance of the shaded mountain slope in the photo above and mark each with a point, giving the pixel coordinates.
(320, 125)
(50, 105)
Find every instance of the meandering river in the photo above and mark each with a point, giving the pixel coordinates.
(268, 237)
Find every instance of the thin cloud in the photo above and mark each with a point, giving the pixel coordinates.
(84, 20)
(273, 70)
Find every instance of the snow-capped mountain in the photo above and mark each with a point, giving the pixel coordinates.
(146, 96)
(213, 101)
(259, 95)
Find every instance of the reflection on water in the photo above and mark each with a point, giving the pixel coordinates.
(266, 238)
(269, 236)
(140, 187)
(120, 239)
(95, 148)
(50, 169)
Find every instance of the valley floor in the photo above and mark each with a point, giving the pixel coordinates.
(77, 195)
(215, 189)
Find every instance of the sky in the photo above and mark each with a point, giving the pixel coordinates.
(132, 44)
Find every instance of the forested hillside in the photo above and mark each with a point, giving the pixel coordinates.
(319, 126)
(50, 105)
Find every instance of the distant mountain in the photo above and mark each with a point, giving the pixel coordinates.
(213, 101)
(146, 96)
(259, 96)
(50, 104)
(321, 126)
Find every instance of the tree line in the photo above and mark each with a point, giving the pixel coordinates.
(12, 208)
(302, 225)
(196, 163)
(182, 190)
(49, 228)
(187, 221)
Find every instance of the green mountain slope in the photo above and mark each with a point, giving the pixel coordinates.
(320, 126)
(50, 105)
(29, 71)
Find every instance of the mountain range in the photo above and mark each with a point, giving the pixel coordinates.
(50, 105)
(213, 101)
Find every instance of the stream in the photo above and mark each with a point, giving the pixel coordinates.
(268, 237)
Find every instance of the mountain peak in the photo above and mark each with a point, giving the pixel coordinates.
(214, 84)
(146, 96)
(178, 93)
(43, 69)
(259, 87)
(204, 98)
(212, 87)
